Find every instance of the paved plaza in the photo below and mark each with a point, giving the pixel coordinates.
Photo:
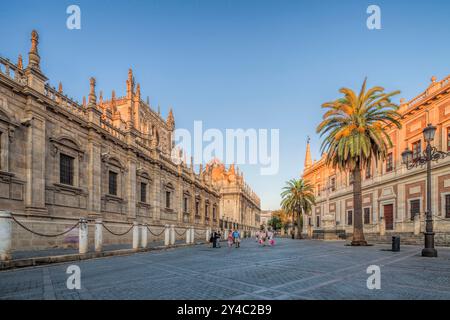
(291, 270)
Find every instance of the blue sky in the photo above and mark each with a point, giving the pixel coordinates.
(237, 64)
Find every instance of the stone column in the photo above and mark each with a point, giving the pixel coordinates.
(83, 236)
(208, 233)
(188, 236)
(130, 187)
(94, 173)
(400, 217)
(144, 238)
(98, 235)
(172, 234)
(192, 231)
(5, 235)
(135, 235)
(156, 193)
(167, 235)
(179, 197)
(382, 225)
(35, 166)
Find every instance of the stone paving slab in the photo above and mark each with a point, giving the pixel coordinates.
(292, 269)
(21, 254)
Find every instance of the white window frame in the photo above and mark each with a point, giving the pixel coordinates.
(408, 208)
(442, 211)
(370, 215)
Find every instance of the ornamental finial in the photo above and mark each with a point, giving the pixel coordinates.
(33, 55)
(92, 96)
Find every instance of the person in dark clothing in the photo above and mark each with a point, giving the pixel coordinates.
(218, 237)
(212, 239)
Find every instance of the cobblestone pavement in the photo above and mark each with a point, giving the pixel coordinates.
(64, 251)
(291, 270)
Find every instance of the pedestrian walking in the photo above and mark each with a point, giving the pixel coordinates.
(212, 239)
(230, 239)
(270, 237)
(263, 237)
(237, 238)
(218, 237)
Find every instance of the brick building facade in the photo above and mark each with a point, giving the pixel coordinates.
(393, 197)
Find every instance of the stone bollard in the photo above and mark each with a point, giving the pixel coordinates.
(172, 235)
(167, 235)
(144, 238)
(5, 235)
(192, 230)
(98, 235)
(188, 235)
(83, 236)
(135, 235)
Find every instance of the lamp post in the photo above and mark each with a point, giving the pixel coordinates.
(430, 154)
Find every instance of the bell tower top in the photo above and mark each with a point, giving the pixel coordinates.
(308, 160)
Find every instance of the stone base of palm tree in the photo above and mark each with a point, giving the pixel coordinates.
(359, 243)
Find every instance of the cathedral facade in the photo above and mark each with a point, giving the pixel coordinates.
(107, 158)
(240, 206)
(394, 198)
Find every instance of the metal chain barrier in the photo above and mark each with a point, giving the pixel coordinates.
(180, 234)
(117, 234)
(42, 234)
(154, 234)
(200, 233)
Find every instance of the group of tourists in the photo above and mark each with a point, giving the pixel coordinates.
(264, 237)
(234, 238)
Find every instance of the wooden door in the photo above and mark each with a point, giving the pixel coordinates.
(389, 216)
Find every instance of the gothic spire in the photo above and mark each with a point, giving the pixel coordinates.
(20, 62)
(113, 102)
(130, 84)
(138, 92)
(308, 161)
(92, 96)
(171, 120)
(33, 55)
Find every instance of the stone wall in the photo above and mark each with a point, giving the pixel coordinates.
(39, 124)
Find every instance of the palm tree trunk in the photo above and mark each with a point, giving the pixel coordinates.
(358, 228)
(299, 225)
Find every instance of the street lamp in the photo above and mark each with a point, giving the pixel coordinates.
(430, 154)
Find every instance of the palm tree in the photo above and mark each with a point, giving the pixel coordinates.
(297, 197)
(355, 136)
